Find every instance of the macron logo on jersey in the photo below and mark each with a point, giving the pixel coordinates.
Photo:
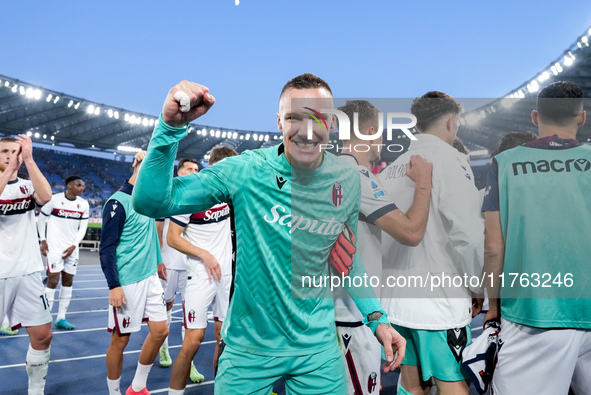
(318, 226)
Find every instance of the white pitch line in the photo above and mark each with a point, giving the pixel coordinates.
(90, 281)
(188, 386)
(92, 356)
(105, 288)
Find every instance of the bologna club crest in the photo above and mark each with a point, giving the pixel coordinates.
(24, 190)
(337, 194)
(372, 382)
(126, 321)
(191, 316)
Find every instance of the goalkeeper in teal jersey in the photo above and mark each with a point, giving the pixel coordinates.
(291, 204)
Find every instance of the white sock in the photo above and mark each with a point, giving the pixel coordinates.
(37, 365)
(168, 321)
(65, 297)
(5, 323)
(114, 386)
(175, 392)
(141, 377)
(50, 292)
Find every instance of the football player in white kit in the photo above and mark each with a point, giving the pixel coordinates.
(66, 216)
(176, 273)
(361, 350)
(21, 291)
(207, 242)
(435, 323)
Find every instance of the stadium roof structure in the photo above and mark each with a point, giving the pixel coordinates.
(56, 118)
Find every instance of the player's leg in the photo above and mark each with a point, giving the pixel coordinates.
(411, 377)
(220, 309)
(155, 312)
(170, 286)
(65, 298)
(182, 364)
(217, 330)
(114, 361)
(245, 373)
(453, 387)
(52, 281)
(319, 373)
(29, 308)
(535, 361)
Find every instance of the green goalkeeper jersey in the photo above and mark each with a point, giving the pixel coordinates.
(286, 220)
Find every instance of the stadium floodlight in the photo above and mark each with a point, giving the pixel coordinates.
(479, 152)
(69, 104)
(76, 106)
(544, 76)
(97, 111)
(553, 69)
(29, 93)
(52, 138)
(579, 45)
(558, 67)
(6, 84)
(132, 119)
(533, 86)
(217, 133)
(212, 132)
(110, 113)
(568, 61)
(29, 133)
(507, 102)
(241, 137)
(223, 135)
(90, 109)
(472, 119)
(190, 130)
(57, 98)
(37, 135)
(267, 137)
(126, 117)
(145, 122)
(37, 94)
(584, 39)
(14, 88)
(49, 97)
(255, 137)
(151, 123)
(44, 136)
(93, 146)
(21, 90)
(234, 135)
(116, 114)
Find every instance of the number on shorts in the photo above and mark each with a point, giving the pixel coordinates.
(45, 301)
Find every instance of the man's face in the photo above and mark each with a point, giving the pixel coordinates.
(188, 168)
(7, 150)
(76, 187)
(301, 152)
(375, 146)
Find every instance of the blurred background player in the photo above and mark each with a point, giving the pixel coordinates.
(176, 273)
(22, 298)
(435, 324)
(360, 348)
(206, 239)
(538, 221)
(67, 219)
(268, 333)
(131, 261)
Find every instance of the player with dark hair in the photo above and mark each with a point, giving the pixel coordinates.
(206, 239)
(21, 291)
(512, 140)
(435, 322)
(459, 145)
(361, 350)
(538, 221)
(67, 218)
(292, 203)
(176, 273)
(131, 261)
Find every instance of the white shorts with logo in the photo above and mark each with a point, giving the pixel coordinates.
(362, 353)
(534, 361)
(202, 293)
(175, 279)
(56, 264)
(23, 300)
(144, 301)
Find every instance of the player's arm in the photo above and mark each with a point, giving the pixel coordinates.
(42, 225)
(459, 206)
(409, 229)
(160, 230)
(156, 194)
(494, 243)
(113, 221)
(80, 235)
(365, 299)
(176, 241)
(41, 186)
